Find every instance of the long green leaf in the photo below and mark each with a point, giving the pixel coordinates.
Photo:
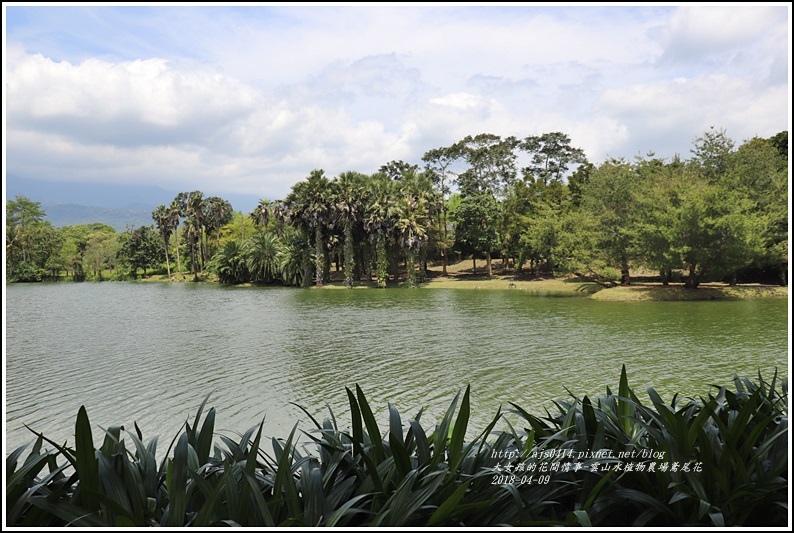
(177, 483)
(86, 462)
(449, 505)
(372, 425)
(459, 432)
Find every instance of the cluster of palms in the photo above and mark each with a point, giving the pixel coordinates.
(366, 223)
(712, 216)
(202, 216)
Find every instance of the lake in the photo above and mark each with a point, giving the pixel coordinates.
(150, 352)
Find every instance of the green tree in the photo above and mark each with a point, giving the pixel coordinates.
(413, 219)
(711, 154)
(438, 162)
(395, 170)
(100, 252)
(30, 240)
(164, 221)
(217, 213)
(476, 227)
(194, 212)
(348, 199)
(140, 249)
(715, 232)
(261, 256)
(309, 203)
(491, 164)
(293, 253)
(610, 198)
(176, 210)
(262, 213)
(230, 264)
(758, 171)
(551, 156)
(531, 217)
(659, 201)
(379, 221)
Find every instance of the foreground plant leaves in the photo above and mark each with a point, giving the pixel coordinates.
(719, 460)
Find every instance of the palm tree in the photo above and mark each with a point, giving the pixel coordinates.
(176, 211)
(217, 212)
(379, 221)
(348, 207)
(310, 203)
(261, 252)
(262, 213)
(230, 263)
(163, 219)
(413, 218)
(194, 226)
(293, 252)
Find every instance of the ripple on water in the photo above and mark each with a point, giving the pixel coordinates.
(151, 353)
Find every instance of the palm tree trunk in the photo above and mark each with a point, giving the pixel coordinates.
(319, 259)
(348, 254)
(178, 261)
(422, 263)
(167, 264)
(444, 259)
(382, 262)
(410, 275)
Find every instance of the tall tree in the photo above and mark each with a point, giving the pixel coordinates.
(218, 212)
(379, 221)
(164, 220)
(100, 252)
(194, 230)
(610, 197)
(395, 170)
(491, 164)
(711, 153)
(347, 197)
(438, 162)
(310, 202)
(22, 214)
(413, 215)
(476, 227)
(551, 156)
(140, 249)
(31, 241)
(177, 210)
(262, 212)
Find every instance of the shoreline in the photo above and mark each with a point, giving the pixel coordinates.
(560, 287)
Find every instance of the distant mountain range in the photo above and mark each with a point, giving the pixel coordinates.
(119, 206)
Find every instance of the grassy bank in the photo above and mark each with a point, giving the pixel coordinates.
(460, 276)
(611, 461)
(677, 292)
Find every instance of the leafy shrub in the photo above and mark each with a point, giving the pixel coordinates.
(566, 468)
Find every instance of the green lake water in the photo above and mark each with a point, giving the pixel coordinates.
(150, 353)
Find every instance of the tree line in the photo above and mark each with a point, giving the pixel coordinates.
(535, 203)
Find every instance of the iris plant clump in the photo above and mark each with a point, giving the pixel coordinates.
(718, 460)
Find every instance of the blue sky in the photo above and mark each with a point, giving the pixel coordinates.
(249, 99)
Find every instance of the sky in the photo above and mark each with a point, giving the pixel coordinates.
(250, 98)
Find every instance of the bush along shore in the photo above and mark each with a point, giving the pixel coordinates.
(611, 461)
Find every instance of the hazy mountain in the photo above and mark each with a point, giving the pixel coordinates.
(69, 203)
(119, 217)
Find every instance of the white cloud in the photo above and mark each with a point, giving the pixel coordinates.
(251, 100)
(458, 101)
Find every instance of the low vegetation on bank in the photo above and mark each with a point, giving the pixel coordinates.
(460, 277)
(721, 215)
(609, 461)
